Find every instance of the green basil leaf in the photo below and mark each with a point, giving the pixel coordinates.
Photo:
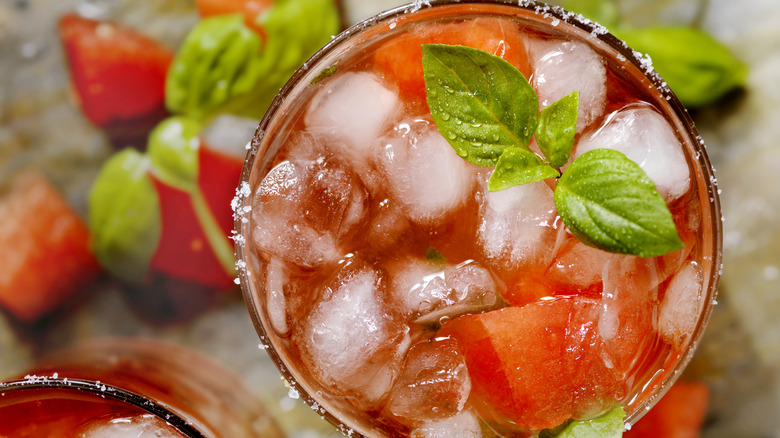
(607, 201)
(124, 215)
(480, 103)
(605, 12)
(173, 150)
(217, 61)
(697, 67)
(609, 425)
(518, 166)
(557, 126)
(295, 29)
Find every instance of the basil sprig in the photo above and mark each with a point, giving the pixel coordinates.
(488, 112)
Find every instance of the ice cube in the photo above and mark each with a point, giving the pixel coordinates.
(418, 285)
(390, 230)
(518, 226)
(627, 318)
(562, 67)
(578, 264)
(681, 306)
(463, 425)
(137, 426)
(351, 111)
(645, 137)
(434, 384)
(276, 303)
(423, 172)
(352, 340)
(432, 291)
(303, 210)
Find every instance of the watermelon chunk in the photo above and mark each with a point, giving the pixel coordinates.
(118, 74)
(400, 60)
(184, 251)
(46, 257)
(679, 414)
(538, 365)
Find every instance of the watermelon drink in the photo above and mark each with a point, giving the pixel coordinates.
(130, 388)
(404, 288)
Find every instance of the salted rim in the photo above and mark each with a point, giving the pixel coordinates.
(102, 390)
(555, 14)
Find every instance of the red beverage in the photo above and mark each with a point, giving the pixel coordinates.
(401, 297)
(130, 388)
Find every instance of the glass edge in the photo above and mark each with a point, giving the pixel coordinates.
(102, 390)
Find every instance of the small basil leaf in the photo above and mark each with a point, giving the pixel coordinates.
(557, 126)
(433, 255)
(124, 215)
(608, 202)
(609, 425)
(173, 150)
(217, 61)
(518, 166)
(480, 103)
(697, 67)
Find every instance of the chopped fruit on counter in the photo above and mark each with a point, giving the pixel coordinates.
(118, 74)
(184, 251)
(679, 414)
(46, 258)
(540, 364)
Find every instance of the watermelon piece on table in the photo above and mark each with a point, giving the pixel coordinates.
(401, 59)
(679, 414)
(184, 251)
(118, 75)
(46, 258)
(538, 365)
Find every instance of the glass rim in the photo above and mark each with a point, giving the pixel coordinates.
(677, 109)
(101, 390)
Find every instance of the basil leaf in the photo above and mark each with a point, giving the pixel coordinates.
(608, 202)
(480, 103)
(609, 425)
(518, 166)
(124, 215)
(173, 150)
(217, 61)
(697, 67)
(557, 126)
